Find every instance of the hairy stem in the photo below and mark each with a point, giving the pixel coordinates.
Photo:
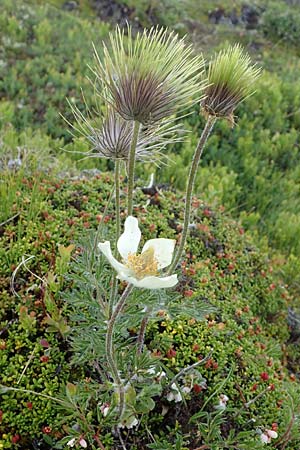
(141, 335)
(190, 187)
(114, 288)
(109, 348)
(187, 369)
(131, 166)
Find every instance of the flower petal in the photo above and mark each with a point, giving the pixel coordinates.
(129, 241)
(150, 282)
(104, 247)
(163, 250)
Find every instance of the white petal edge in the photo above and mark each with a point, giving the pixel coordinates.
(104, 248)
(129, 241)
(163, 250)
(150, 282)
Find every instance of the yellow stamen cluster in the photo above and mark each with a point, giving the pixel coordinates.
(143, 265)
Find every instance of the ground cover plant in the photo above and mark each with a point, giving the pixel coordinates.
(99, 352)
(36, 51)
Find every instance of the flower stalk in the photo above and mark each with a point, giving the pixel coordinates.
(114, 287)
(142, 331)
(131, 167)
(210, 122)
(109, 348)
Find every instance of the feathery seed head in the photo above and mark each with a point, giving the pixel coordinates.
(147, 78)
(111, 137)
(231, 78)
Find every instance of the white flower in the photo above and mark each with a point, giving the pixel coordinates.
(157, 372)
(272, 434)
(71, 443)
(186, 389)
(83, 443)
(128, 422)
(223, 399)
(104, 409)
(174, 394)
(141, 270)
(267, 435)
(265, 438)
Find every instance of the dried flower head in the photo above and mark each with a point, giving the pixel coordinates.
(110, 136)
(231, 78)
(147, 78)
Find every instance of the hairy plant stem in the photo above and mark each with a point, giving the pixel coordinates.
(190, 187)
(109, 348)
(131, 166)
(114, 288)
(187, 369)
(141, 335)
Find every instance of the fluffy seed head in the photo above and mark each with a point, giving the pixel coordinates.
(110, 136)
(231, 79)
(147, 78)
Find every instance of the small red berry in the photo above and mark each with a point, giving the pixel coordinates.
(197, 388)
(44, 358)
(15, 438)
(44, 343)
(29, 405)
(171, 353)
(188, 293)
(195, 347)
(264, 376)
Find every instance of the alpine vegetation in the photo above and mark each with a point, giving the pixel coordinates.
(117, 291)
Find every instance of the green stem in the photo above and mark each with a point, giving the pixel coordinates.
(190, 187)
(114, 288)
(109, 348)
(131, 166)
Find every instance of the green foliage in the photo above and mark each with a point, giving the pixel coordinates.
(45, 54)
(282, 24)
(223, 270)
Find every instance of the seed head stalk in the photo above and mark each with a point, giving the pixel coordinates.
(109, 349)
(114, 288)
(210, 122)
(131, 166)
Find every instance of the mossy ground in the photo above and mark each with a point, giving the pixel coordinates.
(247, 335)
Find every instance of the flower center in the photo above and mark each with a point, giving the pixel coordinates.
(143, 265)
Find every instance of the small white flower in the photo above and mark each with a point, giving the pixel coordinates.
(265, 438)
(129, 422)
(141, 270)
(158, 374)
(83, 443)
(174, 394)
(104, 409)
(71, 442)
(186, 389)
(272, 434)
(267, 435)
(223, 399)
